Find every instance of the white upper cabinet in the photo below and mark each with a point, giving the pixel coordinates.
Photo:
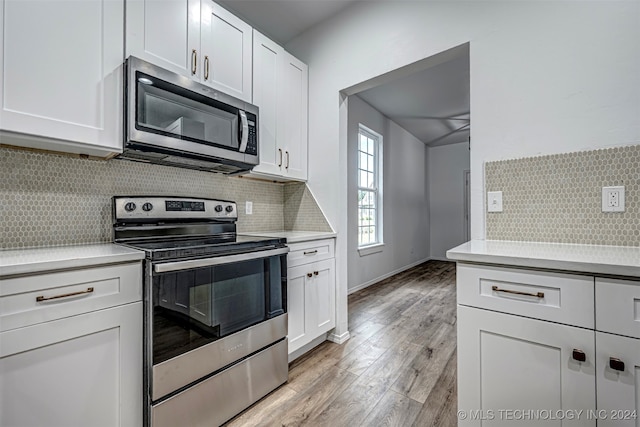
(165, 33)
(280, 86)
(226, 51)
(267, 84)
(294, 117)
(194, 38)
(61, 86)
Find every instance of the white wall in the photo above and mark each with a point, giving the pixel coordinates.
(405, 192)
(446, 167)
(546, 77)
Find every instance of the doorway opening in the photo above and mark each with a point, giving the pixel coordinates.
(422, 111)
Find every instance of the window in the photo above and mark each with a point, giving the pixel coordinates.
(369, 188)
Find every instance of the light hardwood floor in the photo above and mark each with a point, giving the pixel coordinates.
(397, 369)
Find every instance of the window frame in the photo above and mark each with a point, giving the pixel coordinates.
(378, 141)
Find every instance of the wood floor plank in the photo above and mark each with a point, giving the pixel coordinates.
(423, 372)
(353, 404)
(308, 405)
(393, 410)
(304, 374)
(441, 405)
(361, 358)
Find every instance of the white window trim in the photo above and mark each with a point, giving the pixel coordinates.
(378, 246)
(371, 249)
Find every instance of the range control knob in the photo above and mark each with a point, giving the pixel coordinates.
(229, 208)
(218, 208)
(130, 207)
(147, 207)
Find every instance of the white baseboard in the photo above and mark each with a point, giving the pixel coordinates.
(339, 339)
(384, 276)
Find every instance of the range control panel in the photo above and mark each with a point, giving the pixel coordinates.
(159, 208)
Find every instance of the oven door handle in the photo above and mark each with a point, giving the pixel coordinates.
(166, 267)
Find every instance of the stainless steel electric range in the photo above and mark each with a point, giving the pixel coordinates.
(215, 321)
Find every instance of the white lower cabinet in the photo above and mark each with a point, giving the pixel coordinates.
(64, 362)
(78, 371)
(311, 295)
(618, 364)
(547, 348)
(508, 364)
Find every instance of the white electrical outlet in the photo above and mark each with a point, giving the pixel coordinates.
(613, 199)
(248, 208)
(494, 201)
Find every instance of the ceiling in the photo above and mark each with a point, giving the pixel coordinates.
(283, 20)
(432, 104)
(430, 101)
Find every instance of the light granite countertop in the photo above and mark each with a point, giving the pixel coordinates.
(29, 261)
(294, 236)
(593, 259)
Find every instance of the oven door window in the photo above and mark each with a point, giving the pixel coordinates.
(194, 307)
(167, 109)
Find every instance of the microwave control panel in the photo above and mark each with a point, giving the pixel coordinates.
(252, 140)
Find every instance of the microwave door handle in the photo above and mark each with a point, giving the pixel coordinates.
(166, 267)
(244, 135)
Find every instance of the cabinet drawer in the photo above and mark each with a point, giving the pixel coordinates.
(618, 306)
(35, 299)
(306, 252)
(561, 298)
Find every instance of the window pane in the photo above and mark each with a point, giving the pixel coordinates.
(370, 182)
(370, 147)
(370, 163)
(362, 179)
(363, 161)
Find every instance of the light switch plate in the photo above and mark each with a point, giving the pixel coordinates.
(613, 199)
(494, 201)
(248, 208)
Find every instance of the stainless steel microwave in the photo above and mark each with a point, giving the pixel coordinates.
(172, 120)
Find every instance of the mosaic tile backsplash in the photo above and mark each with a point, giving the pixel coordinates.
(301, 212)
(56, 200)
(558, 198)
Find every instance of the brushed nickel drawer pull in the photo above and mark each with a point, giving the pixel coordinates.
(508, 291)
(616, 364)
(315, 273)
(206, 67)
(43, 298)
(309, 275)
(287, 166)
(315, 251)
(280, 151)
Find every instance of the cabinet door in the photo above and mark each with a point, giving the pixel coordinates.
(83, 370)
(227, 51)
(508, 362)
(297, 297)
(322, 293)
(293, 119)
(618, 390)
(267, 84)
(61, 74)
(165, 33)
